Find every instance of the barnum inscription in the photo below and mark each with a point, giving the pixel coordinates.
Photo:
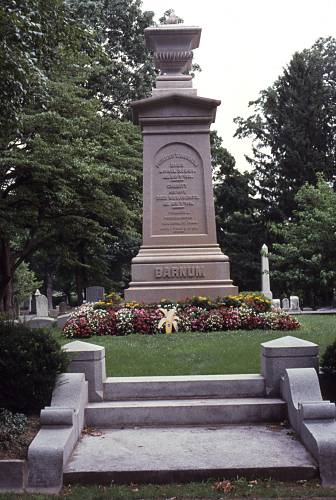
(184, 272)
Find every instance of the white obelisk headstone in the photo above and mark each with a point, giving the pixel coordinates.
(265, 277)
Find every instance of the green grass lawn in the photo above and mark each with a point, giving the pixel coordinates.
(212, 488)
(202, 353)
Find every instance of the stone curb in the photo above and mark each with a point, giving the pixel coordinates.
(13, 475)
(62, 424)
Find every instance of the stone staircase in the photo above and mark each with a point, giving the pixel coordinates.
(188, 400)
(163, 429)
(182, 428)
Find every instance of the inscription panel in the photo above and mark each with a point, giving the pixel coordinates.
(186, 272)
(178, 199)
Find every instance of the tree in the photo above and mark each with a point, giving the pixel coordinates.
(305, 261)
(240, 230)
(71, 169)
(124, 72)
(294, 129)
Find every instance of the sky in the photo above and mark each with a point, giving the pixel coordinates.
(245, 44)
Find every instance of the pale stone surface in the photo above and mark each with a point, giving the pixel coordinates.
(42, 307)
(276, 303)
(88, 359)
(184, 412)
(265, 276)
(285, 304)
(54, 443)
(190, 452)
(37, 322)
(94, 293)
(312, 418)
(208, 386)
(282, 353)
(294, 303)
(62, 319)
(179, 256)
(12, 475)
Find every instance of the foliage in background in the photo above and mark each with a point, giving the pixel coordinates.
(240, 228)
(124, 72)
(304, 260)
(30, 361)
(69, 182)
(25, 282)
(293, 127)
(328, 361)
(12, 426)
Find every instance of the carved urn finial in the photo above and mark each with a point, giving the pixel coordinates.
(172, 45)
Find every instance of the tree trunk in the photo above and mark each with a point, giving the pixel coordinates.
(79, 285)
(6, 277)
(50, 290)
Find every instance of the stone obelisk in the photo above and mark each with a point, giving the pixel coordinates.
(179, 256)
(265, 275)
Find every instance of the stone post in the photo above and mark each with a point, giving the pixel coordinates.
(88, 359)
(265, 277)
(282, 353)
(179, 256)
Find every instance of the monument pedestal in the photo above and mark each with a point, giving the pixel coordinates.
(179, 272)
(180, 256)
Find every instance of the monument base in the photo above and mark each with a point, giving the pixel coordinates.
(178, 273)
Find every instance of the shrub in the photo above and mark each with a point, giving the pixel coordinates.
(12, 426)
(30, 361)
(328, 362)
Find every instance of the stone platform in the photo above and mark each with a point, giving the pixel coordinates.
(189, 453)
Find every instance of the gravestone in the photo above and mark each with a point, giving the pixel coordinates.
(94, 293)
(285, 304)
(42, 307)
(62, 308)
(179, 256)
(276, 303)
(294, 302)
(265, 277)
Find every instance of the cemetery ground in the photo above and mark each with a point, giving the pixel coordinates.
(212, 488)
(193, 353)
(180, 353)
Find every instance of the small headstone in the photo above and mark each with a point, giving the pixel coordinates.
(294, 303)
(95, 293)
(276, 303)
(40, 322)
(61, 320)
(42, 308)
(285, 304)
(62, 308)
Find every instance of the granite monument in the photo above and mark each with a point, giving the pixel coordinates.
(179, 256)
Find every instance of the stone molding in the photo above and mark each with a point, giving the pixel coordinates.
(61, 427)
(312, 418)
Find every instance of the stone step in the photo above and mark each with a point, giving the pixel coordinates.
(183, 454)
(184, 412)
(192, 386)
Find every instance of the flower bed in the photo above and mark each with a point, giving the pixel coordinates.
(246, 311)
